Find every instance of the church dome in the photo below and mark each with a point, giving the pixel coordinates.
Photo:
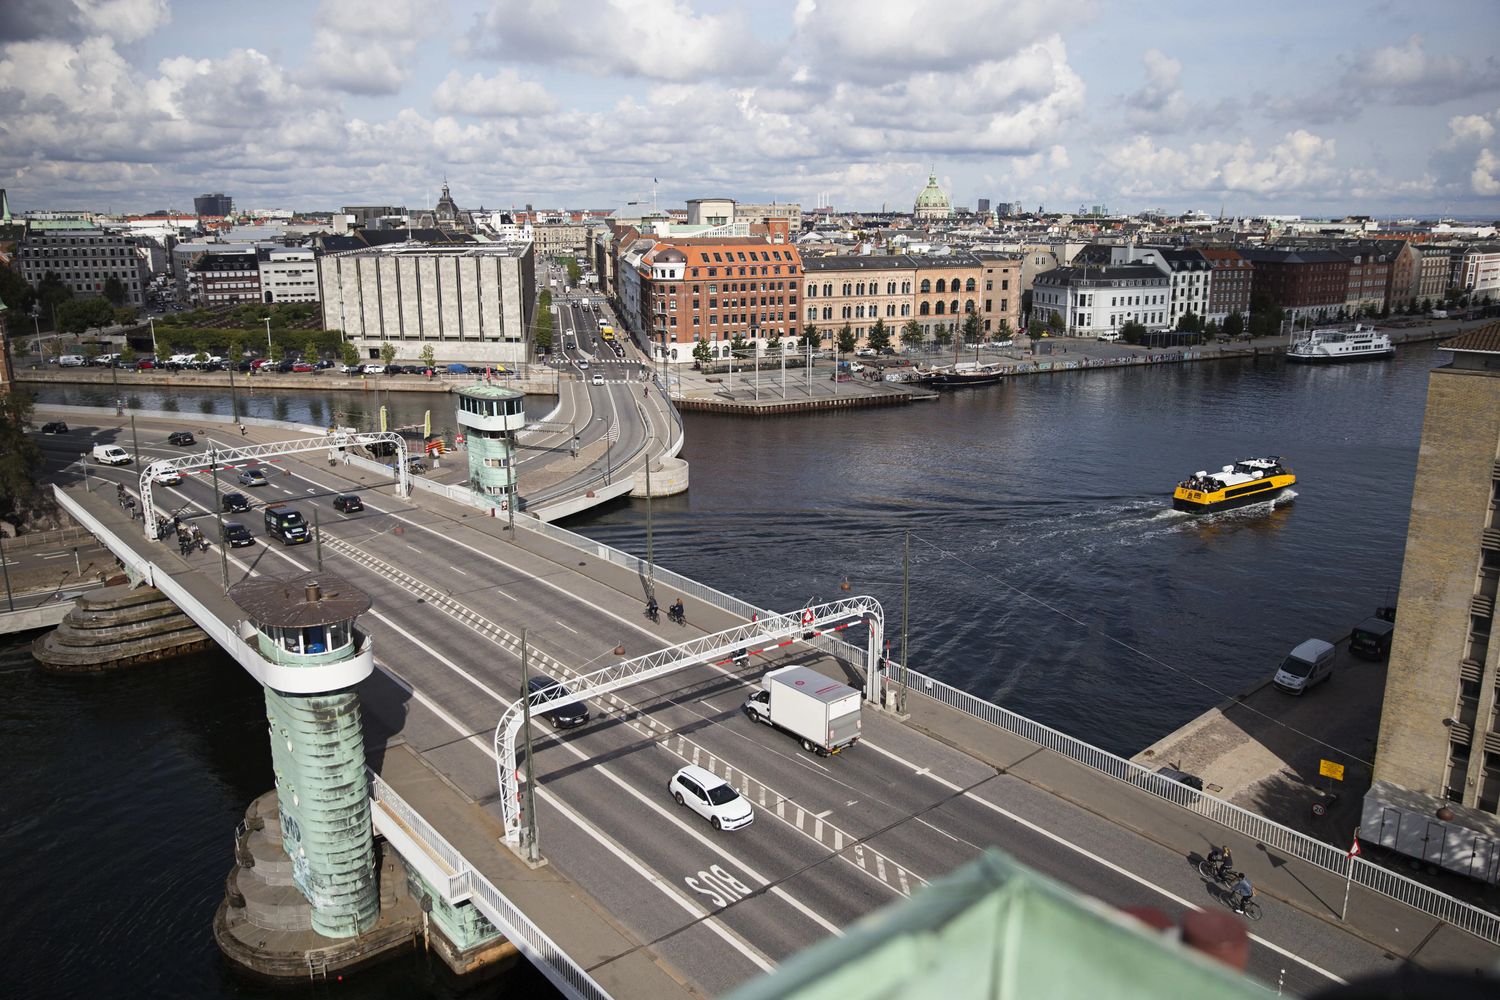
(932, 203)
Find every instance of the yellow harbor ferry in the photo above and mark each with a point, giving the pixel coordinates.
(1253, 480)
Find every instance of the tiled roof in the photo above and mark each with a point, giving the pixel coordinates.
(1481, 340)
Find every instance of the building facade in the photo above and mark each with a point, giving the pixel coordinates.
(471, 303)
(1303, 282)
(1477, 272)
(289, 275)
(1436, 784)
(554, 239)
(1000, 289)
(948, 291)
(789, 212)
(1370, 267)
(218, 204)
(1432, 275)
(1229, 288)
(715, 291)
(1096, 300)
(859, 290)
(225, 277)
(84, 259)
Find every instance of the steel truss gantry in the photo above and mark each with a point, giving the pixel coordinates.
(232, 458)
(742, 640)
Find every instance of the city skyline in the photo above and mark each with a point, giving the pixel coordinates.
(138, 105)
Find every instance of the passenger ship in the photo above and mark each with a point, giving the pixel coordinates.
(1363, 343)
(1252, 481)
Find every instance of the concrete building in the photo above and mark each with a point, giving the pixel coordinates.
(288, 274)
(224, 277)
(1190, 273)
(932, 202)
(1093, 300)
(554, 239)
(788, 212)
(1437, 767)
(1477, 272)
(84, 259)
(710, 211)
(1000, 287)
(1431, 279)
(218, 204)
(1229, 288)
(471, 303)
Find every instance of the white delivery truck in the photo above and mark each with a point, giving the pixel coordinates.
(111, 454)
(820, 712)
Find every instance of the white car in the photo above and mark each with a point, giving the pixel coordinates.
(374, 369)
(865, 352)
(167, 477)
(710, 797)
(598, 378)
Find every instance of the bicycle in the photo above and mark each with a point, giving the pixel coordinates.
(1251, 908)
(1211, 872)
(677, 615)
(653, 614)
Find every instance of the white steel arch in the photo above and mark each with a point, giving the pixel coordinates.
(752, 637)
(229, 457)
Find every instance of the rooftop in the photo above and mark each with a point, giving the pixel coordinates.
(487, 390)
(1480, 340)
(299, 601)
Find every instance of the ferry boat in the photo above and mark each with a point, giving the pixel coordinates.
(1363, 343)
(1253, 480)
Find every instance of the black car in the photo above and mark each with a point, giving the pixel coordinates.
(324, 364)
(563, 715)
(394, 370)
(236, 534)
(54, 427)
(243, 366)
(348, 503)
(285, 366)
(181, 438)
(234, 503)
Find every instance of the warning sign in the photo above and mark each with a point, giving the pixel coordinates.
(1329, 769)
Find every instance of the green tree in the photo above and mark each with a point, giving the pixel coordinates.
(812, 337)
(1003, 331)
(310, 351)
(350, 354)
(90, 352)
(127, 354)
(76, 316)
(200, 357)
(114, 290)
(14, 291)
(573, 272)
(1265, 316)
(1211, 330)
(880, 337)
(1055, 321)
(973, 327)
(1189, 322)
(1132, 332)
(1234, 326)
(273, 353)
(739, 347)
(387, 352)
(773, 342)
(702, 353)
(911, 334)
(847, 340)
(428, 356)
(943, 335)
(20, 455)
(51, 293)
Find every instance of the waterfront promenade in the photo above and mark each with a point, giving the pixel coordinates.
(833, 840)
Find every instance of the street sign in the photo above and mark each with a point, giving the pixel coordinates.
(1329, 769)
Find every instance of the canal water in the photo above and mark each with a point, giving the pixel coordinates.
(1048, 573)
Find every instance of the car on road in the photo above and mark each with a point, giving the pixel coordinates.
(167, 477)
(234, 503)
(54, 427)
(711, 797)
(352, 369)
(181, 438)
(598, 378)
(252, 477)
(583, 366)
(557, 708)
(237, 535)
(348, 503)
(374, 369)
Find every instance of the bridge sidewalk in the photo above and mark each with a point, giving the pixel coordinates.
(615, 958)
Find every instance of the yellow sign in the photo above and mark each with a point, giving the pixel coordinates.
(1329, 769)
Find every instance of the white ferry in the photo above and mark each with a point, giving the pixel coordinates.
(1363, 343)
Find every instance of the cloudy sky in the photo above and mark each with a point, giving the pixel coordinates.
(1261, 107)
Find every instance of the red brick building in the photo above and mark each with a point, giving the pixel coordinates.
(1303, 282)
(716, 289)
(1229, 286)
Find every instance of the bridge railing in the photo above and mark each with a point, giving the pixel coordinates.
(544, 953)
(1374, 877)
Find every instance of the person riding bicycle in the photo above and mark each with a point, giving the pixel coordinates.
(120, 494)
(651, 607)
(1221, 859)
(1243, 891)
(675, 611)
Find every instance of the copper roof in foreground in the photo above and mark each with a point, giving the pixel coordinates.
(299, 601)
(1482, 339)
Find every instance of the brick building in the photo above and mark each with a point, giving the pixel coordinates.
(224, 277)
(715, 290)
(1303, 282)
(1229, 286)
(1000, 287)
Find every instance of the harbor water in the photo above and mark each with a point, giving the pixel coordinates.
(1048, 573)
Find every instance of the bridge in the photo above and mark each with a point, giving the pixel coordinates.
(637, 897)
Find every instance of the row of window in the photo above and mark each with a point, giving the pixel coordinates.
(713, 272)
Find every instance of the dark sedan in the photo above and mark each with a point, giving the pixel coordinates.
(234, 503)
(237, 535)
(348, 503)
(182, 439)
(54, 427)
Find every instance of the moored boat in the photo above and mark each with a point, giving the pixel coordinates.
(967, 373)
(1253, 480)
(1363, 343)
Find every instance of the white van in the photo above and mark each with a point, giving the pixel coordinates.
(1110, 337)
(111, 454)
(72, 361)
(1310, 663)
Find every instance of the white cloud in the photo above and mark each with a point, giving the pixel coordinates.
(1485, 179)
(656, 39)
(368, 48)
(1300, 165)
(1409, 74)
(72, 20)
(505, 93)
(1469, 130)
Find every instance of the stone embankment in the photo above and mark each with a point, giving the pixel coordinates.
(115, 627)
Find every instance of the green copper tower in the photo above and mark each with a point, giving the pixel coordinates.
(490, 415)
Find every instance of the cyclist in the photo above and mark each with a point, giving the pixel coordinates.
(1243, 891)
(651, 607)
(675, 611)
(1221, 858)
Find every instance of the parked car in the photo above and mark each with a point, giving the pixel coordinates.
(259, 363)
(1310, 663)
(244, 366)
(181, 438)
(395, 370)
(145, 364)
(54, 427)
(302, 366)
(711, 797)
(348, 503)
(234, 503)
(556, 708)
(252, 477)
(323, 365)
(237, 535)
(71, 361)
(374, 369)
(458, 369)
(352, 369)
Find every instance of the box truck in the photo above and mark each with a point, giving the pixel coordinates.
(820, 712)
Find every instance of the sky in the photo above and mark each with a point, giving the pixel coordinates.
(1267, 107)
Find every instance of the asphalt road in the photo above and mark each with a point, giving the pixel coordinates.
(833, 840)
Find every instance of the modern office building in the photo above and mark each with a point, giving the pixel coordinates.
(470, 302)
(225, 277)
(84, 259)
(218, 204)
(1436, 783)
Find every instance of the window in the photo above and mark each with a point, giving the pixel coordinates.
(926, 285)
(923, 310)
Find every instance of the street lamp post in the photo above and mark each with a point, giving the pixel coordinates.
(268, 335)
(151, 322)
(608, 469)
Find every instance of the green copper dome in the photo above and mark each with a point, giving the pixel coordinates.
(932, 201)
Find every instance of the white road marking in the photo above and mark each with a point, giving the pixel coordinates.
(568, 627)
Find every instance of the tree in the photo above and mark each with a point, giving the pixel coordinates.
(973, 328)
(812, 337)
(911, 334)
(943, 335)
(83, 314)
(20, 455)
(273, 353)
(1132, 332)
(1189, 322)
(127, 354)
(1234, 326)
(573, 272)
(1211, 329)
(880, 337)
(1265, 316)
(387, 352)
(14, 291)
(52, 293)
(1003, 331)
(114, 290)
(1055, 321)
(349, 354)
(739, 347)
(234, 353)
(310, 351)
(846, 339)
(702, 353)
(773, 343)
(427, 355)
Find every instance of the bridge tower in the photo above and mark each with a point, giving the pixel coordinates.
(305, 625)
(489, 415)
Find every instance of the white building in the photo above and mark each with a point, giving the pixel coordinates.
(289, 275)
(1477, 271)
(1100, 299)
(1191, 274)
(472, 303)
